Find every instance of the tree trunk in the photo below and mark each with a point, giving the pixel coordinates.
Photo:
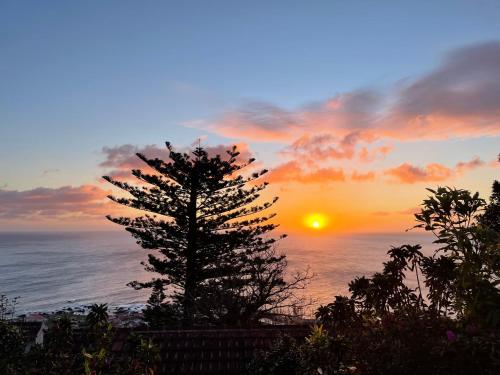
(190, 284)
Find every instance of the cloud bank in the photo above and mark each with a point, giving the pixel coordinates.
(460, 98)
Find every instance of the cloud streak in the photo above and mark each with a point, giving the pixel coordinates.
(66, 201)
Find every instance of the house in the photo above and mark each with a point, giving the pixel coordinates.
(33, 332)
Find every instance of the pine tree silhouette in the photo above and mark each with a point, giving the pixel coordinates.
(214, 257)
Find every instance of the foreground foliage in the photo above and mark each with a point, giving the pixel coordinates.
(436, 314)
(66, 351)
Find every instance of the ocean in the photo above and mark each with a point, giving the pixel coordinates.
(55, 270)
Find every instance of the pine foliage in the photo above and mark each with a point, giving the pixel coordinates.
(212, 255)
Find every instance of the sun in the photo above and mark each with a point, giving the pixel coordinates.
(316, 221)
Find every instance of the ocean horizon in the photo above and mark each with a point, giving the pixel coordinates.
(50, 271)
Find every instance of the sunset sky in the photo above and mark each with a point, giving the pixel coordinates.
(355, 106)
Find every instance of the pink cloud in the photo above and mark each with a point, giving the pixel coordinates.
(85, 201)
(259, 121)
(122, 159)
(324, 147)
(66, 201)
(472, 164)
(339, 116)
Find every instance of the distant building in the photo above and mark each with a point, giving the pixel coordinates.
(33, 332)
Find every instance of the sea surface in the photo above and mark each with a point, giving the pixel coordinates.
(55, 270)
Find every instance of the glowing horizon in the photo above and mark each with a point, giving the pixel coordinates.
(353, 128)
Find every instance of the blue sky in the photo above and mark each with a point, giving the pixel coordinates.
(80, 75)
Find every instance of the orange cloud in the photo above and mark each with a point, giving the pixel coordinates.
(293, 172)
(410, 211)
(366, 155)
(409, 174)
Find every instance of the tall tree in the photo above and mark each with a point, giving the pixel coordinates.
(210, 233)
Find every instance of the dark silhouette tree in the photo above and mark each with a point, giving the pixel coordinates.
(454, 216)
(386, 291)
(98, 315)
(491, 215)
(215, 260)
